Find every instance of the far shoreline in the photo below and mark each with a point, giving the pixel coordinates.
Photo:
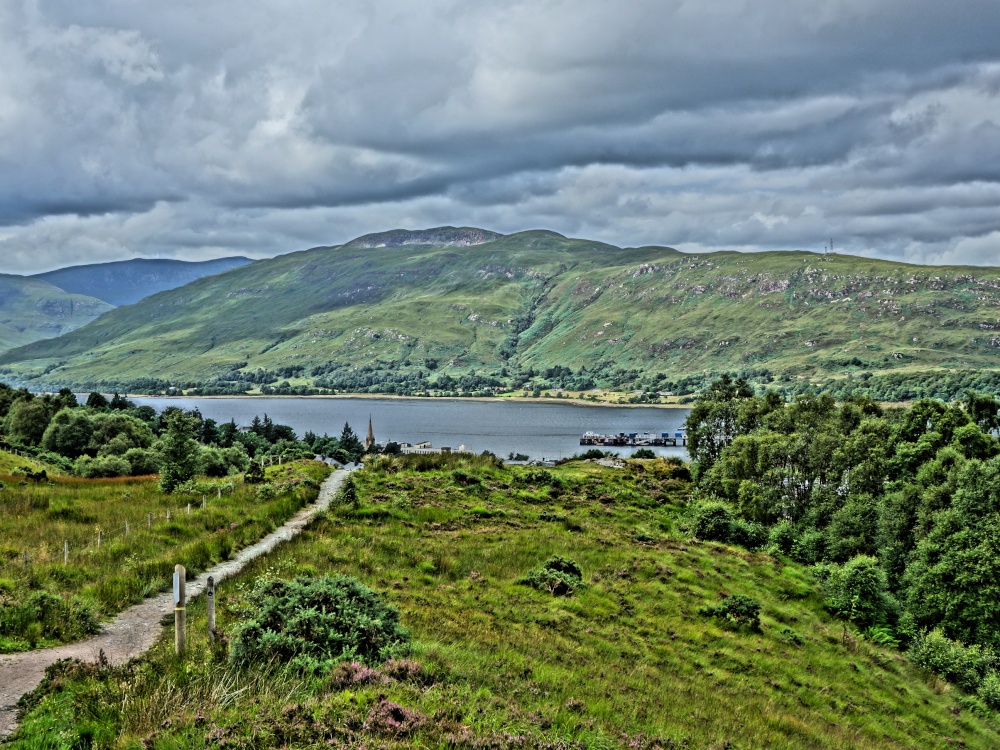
(395, 397)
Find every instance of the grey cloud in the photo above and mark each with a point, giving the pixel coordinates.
(200, 128)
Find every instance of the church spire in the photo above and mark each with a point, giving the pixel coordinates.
(370, 440)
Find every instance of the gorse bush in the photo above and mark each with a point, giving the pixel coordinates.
(348, 494)
(738, 610)
(311, 624)
(558, 575)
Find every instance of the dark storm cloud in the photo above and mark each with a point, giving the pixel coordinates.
(196, 129)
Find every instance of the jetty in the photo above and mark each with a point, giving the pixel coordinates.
(635, 439)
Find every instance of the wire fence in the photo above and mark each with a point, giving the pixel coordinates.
(73, 551)
(69, 552)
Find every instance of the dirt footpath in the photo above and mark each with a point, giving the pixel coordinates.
(136, 629)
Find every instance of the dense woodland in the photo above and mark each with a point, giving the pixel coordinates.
(898, 509)
(116, 438)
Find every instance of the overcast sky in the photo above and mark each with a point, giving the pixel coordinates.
(200, 128)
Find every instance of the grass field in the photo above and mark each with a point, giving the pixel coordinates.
(626, 661)
(39, 519)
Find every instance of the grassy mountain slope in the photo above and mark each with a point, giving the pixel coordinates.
(31, 309)
(627, 661)
(128, 281)
(475, 301)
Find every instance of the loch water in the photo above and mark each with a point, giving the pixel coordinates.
(540, 430)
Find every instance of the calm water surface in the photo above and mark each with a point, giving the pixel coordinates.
(540, 430)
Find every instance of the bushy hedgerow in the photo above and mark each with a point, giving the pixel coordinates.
(310, 624)
(559, 576)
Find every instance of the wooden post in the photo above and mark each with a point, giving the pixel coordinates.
(180, 610)
(149, 521)
(66, 552)
(210, 608)
(126, 528)
(219, 488)
(189, 509)
(99, 535)
(168, 514)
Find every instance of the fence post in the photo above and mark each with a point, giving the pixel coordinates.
(149, 521)
(189, 509)
(99, 535)
(126, 528)
(180, 611)
(219, 488)
(168, 514)
(66, 552)
(210, 607)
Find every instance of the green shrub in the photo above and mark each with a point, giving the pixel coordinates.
(858, 591)
(102, 467)
(713, 522)
(782, 538)
(643, 453)
(558, 575)
(809, 548)
(749, 534)
(143, 461)
(792, 637)
(310, 624)
(961, 665)
(349, 493)
(254, 473)
(989, 691)
(738, 610)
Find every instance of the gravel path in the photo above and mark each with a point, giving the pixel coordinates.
(136, 629)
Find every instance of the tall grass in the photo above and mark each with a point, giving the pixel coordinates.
(102, 578)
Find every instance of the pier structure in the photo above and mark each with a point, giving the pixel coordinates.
(635, 439)
(425, 449)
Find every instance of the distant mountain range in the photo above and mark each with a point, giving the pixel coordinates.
(31, 309)
(128, 281)
(401, 305)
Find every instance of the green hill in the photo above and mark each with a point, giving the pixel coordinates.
(398, 303)
(31, 309)
(628, 660)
